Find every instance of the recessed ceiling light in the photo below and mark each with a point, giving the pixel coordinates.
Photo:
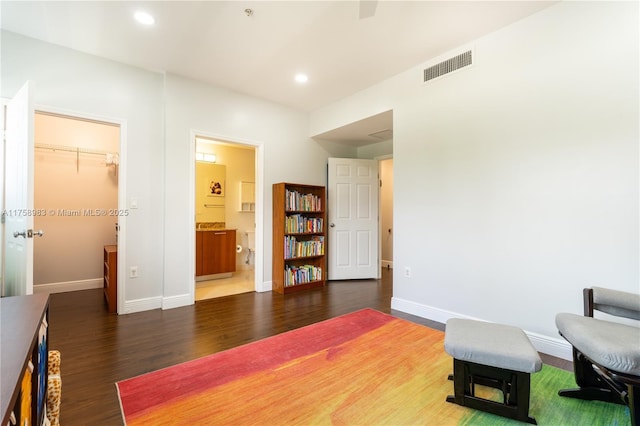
(144, 18)
(301, 78)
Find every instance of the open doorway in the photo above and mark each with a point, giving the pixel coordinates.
(225, 218)
(76, 181)
(386, 212)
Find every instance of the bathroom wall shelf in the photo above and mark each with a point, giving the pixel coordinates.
(247, 197)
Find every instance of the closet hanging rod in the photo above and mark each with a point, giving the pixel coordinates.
(71, 149)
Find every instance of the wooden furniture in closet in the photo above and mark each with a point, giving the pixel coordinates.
(110, 286)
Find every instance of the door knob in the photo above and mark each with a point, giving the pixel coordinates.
(29, 233)
(332, 225)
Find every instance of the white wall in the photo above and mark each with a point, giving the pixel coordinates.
(75, 82)
(374, 150)
(289, 156)
(516, 180)
(158, 113)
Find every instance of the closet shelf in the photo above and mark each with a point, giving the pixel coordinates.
(73, 149)
(111, 158)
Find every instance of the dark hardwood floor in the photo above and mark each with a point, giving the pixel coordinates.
(99, 349)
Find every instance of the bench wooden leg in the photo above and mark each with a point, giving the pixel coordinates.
(515, 386)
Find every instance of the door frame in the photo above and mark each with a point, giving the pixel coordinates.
(122, 183)
(258, 278)
(380, 158)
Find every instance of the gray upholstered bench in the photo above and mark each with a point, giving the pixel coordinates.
(494, 355)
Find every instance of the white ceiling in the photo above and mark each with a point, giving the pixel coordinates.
(216, 42)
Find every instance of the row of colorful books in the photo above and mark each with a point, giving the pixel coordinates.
(294, 248)
(301, 274)
(298, 224)
(295, 201)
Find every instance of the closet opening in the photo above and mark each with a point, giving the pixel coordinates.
(76, 174)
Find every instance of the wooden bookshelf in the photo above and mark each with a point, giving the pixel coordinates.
(24, 353)
(299, 237)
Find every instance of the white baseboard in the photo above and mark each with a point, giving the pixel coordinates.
(387, 263)
(140, 305)
(265, 286)
(63, 287)
(549, 345)
(176, 301)
(557, 347)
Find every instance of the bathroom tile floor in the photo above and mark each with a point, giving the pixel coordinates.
(240, 282)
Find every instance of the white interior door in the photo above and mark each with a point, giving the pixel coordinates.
(353, 191)
(18, 214)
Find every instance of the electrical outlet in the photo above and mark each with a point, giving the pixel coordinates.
(407, 272)
(133, 272)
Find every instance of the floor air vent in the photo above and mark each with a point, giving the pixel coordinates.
(460, 61)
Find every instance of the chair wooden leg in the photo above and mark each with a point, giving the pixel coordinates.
(634, 404)
(591, 386)
(591, 394)
(515, 386)
(603, 387)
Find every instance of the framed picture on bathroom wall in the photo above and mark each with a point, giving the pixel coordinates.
(216, 188)
(212, 179)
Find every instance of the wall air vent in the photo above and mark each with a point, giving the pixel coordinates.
(460, 61)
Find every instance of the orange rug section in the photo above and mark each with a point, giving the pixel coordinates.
(362, 368)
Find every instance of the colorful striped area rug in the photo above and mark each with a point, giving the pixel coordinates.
(364, 368)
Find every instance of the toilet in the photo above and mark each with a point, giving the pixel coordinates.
(250, 245)
(251, 241)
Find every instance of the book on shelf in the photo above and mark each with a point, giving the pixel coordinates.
(306, 248)
(296, 201)
(294, 275)
(298, 224)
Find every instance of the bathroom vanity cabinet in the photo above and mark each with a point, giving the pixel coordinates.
(215, 251)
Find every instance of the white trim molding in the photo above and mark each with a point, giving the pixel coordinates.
(265, 286)
(140, 305)
(65, 286)
(176, 301)
(551, 346)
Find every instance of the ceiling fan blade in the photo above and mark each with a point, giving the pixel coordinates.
(367, 8)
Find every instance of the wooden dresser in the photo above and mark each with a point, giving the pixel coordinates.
(111, 277)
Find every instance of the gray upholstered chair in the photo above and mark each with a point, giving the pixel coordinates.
(606, 352)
